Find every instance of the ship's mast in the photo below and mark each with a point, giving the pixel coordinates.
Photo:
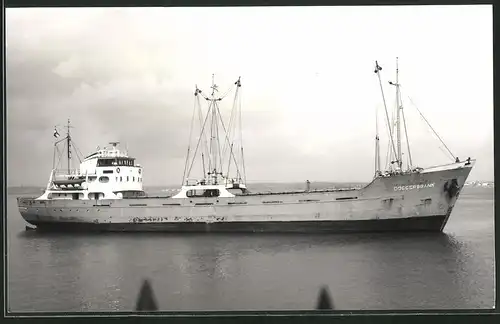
(215, 153)
(400, 115)
(377, 146)
(69, 146)
(68, 141)
(398, 118)
(378, 68)
(214, 132)
(399, 157)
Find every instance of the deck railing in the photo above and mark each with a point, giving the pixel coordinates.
(62, 173)
(65, 172)
(146, 300)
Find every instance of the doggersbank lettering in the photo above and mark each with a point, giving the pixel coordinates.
(412, 187)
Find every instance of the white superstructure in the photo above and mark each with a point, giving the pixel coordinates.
(108, 173)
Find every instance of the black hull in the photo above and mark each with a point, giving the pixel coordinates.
(413, 224)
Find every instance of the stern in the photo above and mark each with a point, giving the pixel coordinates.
(25, 207)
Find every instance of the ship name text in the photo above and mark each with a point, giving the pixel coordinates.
(415, 186)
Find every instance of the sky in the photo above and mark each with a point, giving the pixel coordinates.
(309, 94)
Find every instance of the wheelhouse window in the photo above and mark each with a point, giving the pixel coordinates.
(115, 162)
(125, 162)
(105, 162)
(203, 193)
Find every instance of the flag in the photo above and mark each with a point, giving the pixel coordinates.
(56, 133)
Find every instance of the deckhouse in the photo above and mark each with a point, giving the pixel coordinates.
(107, 173)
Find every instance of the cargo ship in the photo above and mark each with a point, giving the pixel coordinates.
(106, 192)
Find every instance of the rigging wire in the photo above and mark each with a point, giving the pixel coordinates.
(210, 162)
(56, 149)
(227, 92)
(60, 155)
(218, 139)
(229, 165)
(377, 144)
(204, 149)
(428, 124)
(410, 163)
(190, 137)
(215, 142)
(54, 156)
(231, 123)
(241, 138)
(79, 154)
(199, 140)
(389, 156)
(378, 68)
(233, 126)
(234, 157)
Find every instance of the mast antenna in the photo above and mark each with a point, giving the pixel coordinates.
(214, 87)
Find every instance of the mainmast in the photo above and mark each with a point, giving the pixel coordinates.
(215, 152)
(213, 131)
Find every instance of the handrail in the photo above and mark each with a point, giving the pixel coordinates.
(71, 172)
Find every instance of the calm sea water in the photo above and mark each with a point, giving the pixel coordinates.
(104, 272)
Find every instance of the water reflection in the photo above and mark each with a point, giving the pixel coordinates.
(104, 271)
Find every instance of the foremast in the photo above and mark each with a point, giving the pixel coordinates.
(395, 153)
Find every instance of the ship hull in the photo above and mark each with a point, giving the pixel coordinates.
(411, 202)
(414, 224)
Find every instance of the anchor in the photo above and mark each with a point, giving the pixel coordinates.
(451, 187)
